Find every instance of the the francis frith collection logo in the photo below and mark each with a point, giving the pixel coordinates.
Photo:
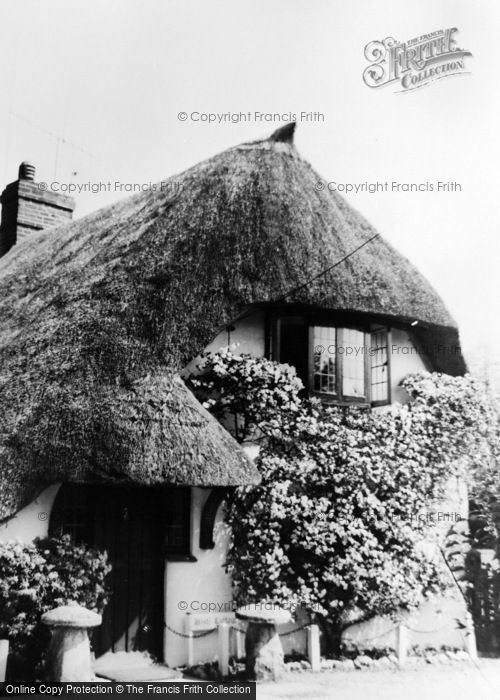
(416, 62)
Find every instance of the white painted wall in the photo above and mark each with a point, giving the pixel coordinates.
(404, 359)
(248, 337)
(195, 587)
(203, 583)
(33, 520)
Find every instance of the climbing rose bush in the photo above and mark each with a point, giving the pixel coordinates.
(333, 526)
(36, 577)
(243, 392)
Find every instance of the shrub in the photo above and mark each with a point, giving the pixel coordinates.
(36, 577)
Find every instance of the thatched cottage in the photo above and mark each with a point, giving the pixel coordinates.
(99, 436)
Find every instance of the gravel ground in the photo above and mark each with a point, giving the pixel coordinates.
(465, 681)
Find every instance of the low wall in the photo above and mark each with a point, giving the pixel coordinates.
(433, 625)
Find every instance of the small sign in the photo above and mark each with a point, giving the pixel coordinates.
(200, 622)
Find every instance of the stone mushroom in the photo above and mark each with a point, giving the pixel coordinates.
(68, 656)
(263, 650)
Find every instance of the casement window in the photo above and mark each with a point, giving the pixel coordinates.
(338, 363)
(92, 513)
(379, 367)
(177, 513)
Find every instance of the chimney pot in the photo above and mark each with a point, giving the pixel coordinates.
(27, 171)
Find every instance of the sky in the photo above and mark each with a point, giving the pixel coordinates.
(92, 92)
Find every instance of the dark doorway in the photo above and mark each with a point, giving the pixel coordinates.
(133, 525)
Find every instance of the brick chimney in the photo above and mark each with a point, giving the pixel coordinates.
(27, 208)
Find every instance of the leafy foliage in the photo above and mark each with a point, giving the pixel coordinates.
(485, 487)
(334, 524)
(36, 577)
(247, 393)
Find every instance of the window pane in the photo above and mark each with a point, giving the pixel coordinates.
(379, 365)
(324, 371)
(177, 504)
(73, 513)
(353, 362)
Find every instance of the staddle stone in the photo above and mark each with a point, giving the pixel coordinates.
(68, 656)
(263, 650)
(264, 612)
(71, 616)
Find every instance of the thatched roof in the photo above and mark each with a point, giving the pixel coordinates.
(98, 316)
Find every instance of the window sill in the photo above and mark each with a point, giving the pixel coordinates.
(343, 403)
(180, 557)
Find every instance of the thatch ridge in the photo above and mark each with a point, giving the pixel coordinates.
(97, 317)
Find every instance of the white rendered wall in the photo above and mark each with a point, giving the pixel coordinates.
(404, 359)
(33, 520)
(190, 587)
(248, 337)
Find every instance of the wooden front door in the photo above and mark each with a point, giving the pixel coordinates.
(129, 527)
(129, 523)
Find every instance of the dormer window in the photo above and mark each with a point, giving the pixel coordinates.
(341, 363)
